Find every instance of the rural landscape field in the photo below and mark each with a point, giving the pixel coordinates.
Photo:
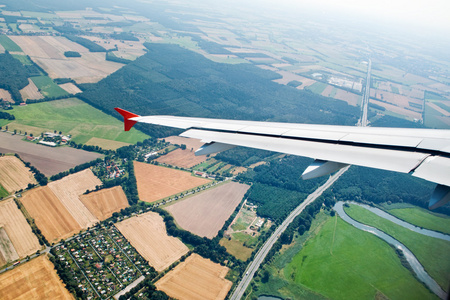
(155, 182)
(205, 214)
(91, 211)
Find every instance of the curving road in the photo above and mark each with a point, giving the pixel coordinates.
(262, 253)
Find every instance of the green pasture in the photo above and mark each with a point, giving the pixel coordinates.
(75, 117)
(317, 87)
(47, 87)
(423, 218)
(8, 44)
(23, 59)
(342, 262)
(3, 192)
(431, 252)
(432, 118)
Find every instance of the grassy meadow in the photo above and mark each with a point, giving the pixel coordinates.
(47, 87)
(8, 44)
(72, 116)
(342, 262)
(423, 218)
(431, 252)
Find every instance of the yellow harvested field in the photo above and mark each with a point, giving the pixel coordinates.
(196, 278)
(17, 228)
(48, 53)
(102, 204)
(4, 94)
(106, 144)
(257, 164)
(70, 188)
(14, 175)
(350, 98)
(147, 233)
(155, 182)
(31, 91)
(70, 88)
(182, 158)
(36, 279)
(239, 170)
(7, 251)
(193, 144)
(398, 110)
(49, 214)
(205, 213)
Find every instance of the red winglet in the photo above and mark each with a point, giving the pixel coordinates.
(126, 116)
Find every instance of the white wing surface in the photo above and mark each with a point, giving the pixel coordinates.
(423, 153)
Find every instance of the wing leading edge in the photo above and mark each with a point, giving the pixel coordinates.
(423, 153)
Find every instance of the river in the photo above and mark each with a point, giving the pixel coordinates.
(412, 260)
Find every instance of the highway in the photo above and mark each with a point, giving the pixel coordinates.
(262, 253)
(366, 96)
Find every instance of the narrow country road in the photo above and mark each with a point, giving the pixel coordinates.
(262, 253)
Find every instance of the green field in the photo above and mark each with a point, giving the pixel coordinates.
(432, 118)
(72, 116)
(236, 248)
(423, 218)
(23, 59)
(431, 252)
(8, 44)
(3, 192)
(342, 262)
(47, 87)
(317, 87)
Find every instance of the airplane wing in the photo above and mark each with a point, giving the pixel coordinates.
(423, 153)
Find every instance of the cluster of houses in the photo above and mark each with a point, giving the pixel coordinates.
(204, 175)
(113, 171)
(106, 259)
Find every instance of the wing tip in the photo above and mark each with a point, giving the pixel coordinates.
(128, 124)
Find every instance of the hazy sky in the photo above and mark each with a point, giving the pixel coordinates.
(427, 13)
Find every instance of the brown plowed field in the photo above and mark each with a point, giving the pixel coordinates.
(36, 279)
(156, 182)
(348, 97)
(49, 161)
(104, 203)
(31, 91)
(182, 158)
(196, 278)
(190, 143)
(147, 233)
(17, 228)
(68, 190)
(395, 99)
(398, 110)
(49, 214)
(14, 175)
(205, 213)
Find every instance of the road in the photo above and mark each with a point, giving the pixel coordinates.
(264, 250)
(366, 96)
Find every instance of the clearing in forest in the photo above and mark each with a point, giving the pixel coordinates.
(196, 278)
(102, 204)
(14, 175)
(36, 279)
(155, 182)
(205, 213)
(16, 236)
(147, 233)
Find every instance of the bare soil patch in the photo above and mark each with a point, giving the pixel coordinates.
(68, 190)
(155, 182)
(147, 233)
(102, 204)
(182, 158)
(4, 94)
(31, 91)
(348, 97)
(70, 88)
(36, 279)
(196, 278)
(49, 161)
(395, 99)
(49, 214)
(398, 110)
(17, 229)
(14, 175)
(205, 213)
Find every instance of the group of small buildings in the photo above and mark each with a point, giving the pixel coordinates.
(102, 262)
(204, 175)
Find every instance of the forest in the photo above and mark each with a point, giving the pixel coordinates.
(171, 80)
